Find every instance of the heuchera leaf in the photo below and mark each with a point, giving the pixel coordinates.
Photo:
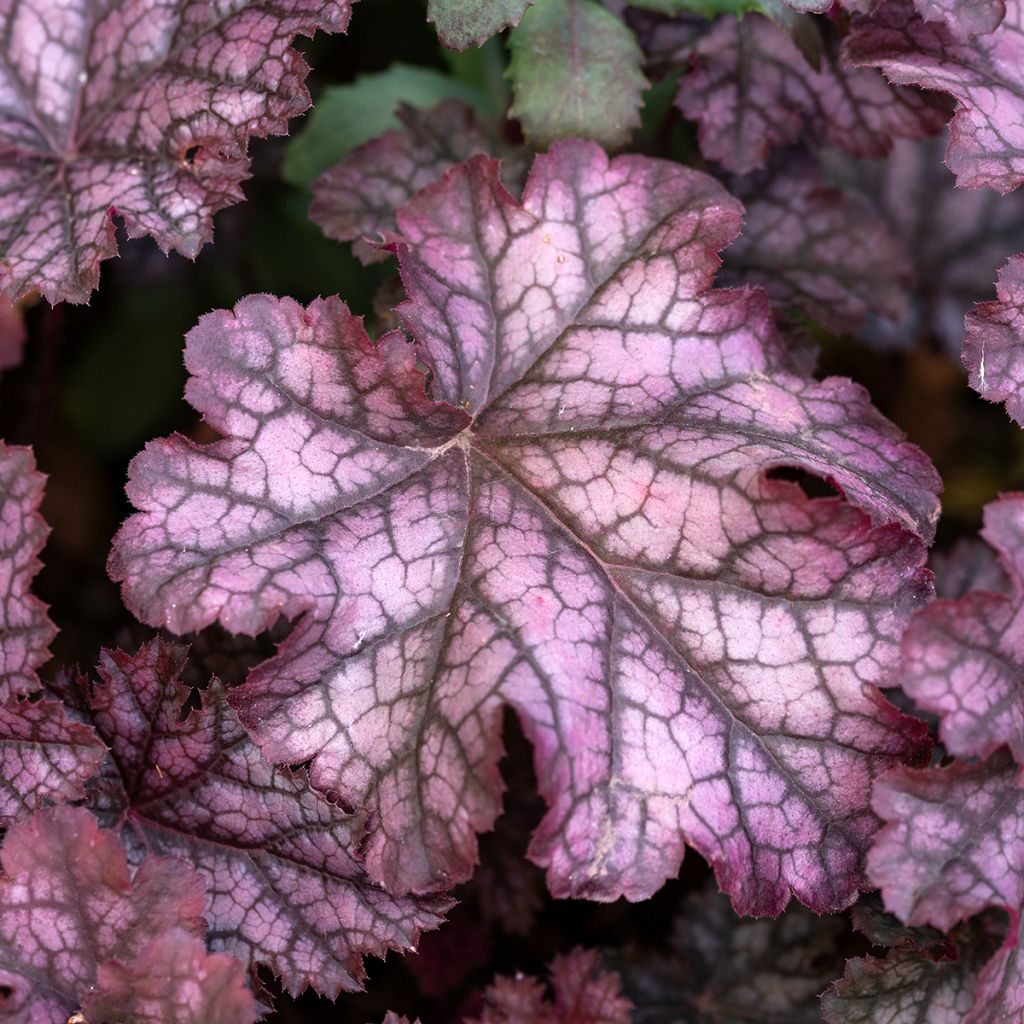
(969, 565)
(44, 757)
(173, 981)
(25, 628)
(575, 72)
(957, 237)
(994, 342)
(357, 198)
(750, 89)
(964, 659)
(723, 969)
(139, 110)
(68, 904)
(964, 18)
(984, 74)
(581, 994)
(463, 23)
(814, 248)
(284, 887)
(576, 523)
(12, 334)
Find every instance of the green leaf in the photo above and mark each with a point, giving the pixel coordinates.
(705, 8)
(575, 71)
(462, 23)
(346, 116)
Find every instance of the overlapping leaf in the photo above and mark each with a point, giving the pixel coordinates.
(575, 523)
(140, 110)
(462, 23)
(984, 74)
(284, 887)
(68, 906)
(25, 628)
(994, 342)
(750, 89)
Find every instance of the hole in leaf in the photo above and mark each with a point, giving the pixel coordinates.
(813, 486)
(190, 155)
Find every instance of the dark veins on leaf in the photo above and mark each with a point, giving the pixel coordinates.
(576, 523)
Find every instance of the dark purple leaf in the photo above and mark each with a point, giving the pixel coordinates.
(994, 342)
(25, 628)
(750, 89)
(984, 74)
(68, 904)
(284, 887)
(44, 757)
(141, 110)
(577, 526)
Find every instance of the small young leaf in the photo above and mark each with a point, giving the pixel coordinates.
(575, 71)
(463, 23)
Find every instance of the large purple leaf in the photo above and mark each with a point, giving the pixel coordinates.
(25, 628)
(994, 342)
(357, 198)
(814, 248)
(173, 981)
(984, 74)
(137, 109)
(750, 89)
(578, 526)
(953, 845)
(283, 886)
(68, 904)
(44, 757)
(964, 659)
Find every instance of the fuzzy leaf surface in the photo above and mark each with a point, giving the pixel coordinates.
(984, 74)
(575, 523)
(750, 89)
(25, 628)
(141, 110)
(994, 342)
(69, 904)
(464, 23)
(284, 888)
(964, 659)
(44, 757)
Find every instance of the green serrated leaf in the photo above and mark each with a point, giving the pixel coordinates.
(463, 23)
(346, 116)
(575, 71)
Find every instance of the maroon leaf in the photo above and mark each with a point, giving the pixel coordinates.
(140, 110)
(578, 526)
(582, 994)
(25, 628)
(750, 89)
(994, 342)
(68, 905)
(355, 201)
(173, 981)
(814, 248)
(964, 659)
(12, 334)
(984, 74)
(43, 757)
(284, 887)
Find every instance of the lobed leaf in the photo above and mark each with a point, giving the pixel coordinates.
(25, 628)
(984, 75)
(575, 523)
(464, 23)
(141, 110)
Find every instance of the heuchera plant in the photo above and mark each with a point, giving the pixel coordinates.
(540, 504)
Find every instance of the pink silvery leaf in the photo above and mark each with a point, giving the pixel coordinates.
(68, 904)
(577, 525)
(283, 885)
(953, 846)
(173, 981)
(984, 74)
(969, 565)
(25, 628)
(750, 89)
(964, 659)
(140, 110)
(357, 198)
(994, 342)
(812, 247)
(964, 18)
(44, 757)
